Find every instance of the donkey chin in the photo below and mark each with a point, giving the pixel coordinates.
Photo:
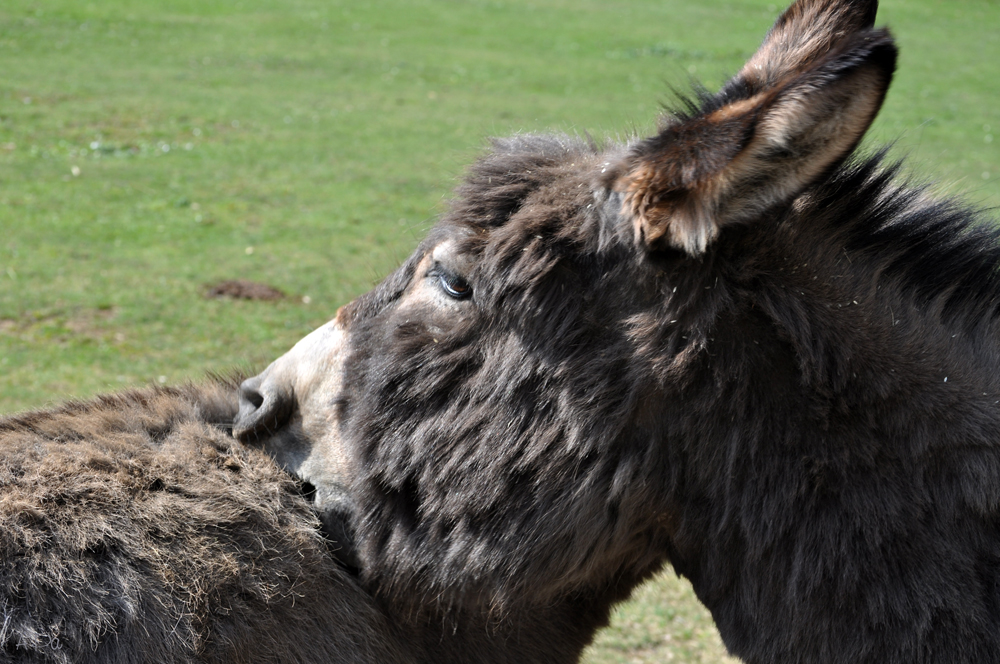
(285, 410)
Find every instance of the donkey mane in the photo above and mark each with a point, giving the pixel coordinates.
(498, 183)
(939, 249)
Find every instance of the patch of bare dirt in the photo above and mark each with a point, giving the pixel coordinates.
(90, 322)
(62, 324)
(243, 289)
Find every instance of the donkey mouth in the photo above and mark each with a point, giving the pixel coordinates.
(265, 420)
(336, 519)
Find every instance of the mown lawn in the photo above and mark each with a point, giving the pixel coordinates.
(148, 150)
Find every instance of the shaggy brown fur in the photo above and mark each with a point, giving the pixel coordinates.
(133, 528)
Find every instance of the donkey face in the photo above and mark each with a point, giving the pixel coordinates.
(454, 400)
(494, 420)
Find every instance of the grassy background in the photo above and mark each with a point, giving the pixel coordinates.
(150, 149)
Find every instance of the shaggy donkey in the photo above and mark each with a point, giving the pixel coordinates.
(132, 529)
(734, 346)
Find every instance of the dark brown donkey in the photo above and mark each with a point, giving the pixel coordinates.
(735, 346)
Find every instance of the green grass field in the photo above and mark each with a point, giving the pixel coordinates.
(150, 149)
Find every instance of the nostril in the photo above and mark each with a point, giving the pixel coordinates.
(252, 396)
(262, 412)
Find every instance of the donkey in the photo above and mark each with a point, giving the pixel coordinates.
(736, 346)
(134, 528)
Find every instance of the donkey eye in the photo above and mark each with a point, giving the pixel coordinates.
(454, 286)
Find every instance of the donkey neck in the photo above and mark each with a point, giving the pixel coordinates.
(555, 634)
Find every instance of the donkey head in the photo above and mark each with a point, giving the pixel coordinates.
(494, 419)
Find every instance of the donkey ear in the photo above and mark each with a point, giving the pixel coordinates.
(741, 156)
(806, 32)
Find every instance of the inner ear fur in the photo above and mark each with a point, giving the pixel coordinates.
(802, 35)
(729, 164)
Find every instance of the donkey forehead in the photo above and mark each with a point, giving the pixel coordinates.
(519, 169)
(457, 253)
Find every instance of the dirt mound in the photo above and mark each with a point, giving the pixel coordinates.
(242, 289)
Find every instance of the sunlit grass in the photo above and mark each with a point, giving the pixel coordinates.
(664, 622)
